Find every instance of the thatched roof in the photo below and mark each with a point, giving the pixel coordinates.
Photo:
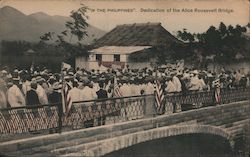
(123, 50)
(144, 34)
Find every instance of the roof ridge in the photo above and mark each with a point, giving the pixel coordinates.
(142, 24)
(137, 34)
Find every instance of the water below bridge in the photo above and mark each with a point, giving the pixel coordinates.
(191, 145)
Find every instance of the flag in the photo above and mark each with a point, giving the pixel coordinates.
(217, 95)
(159, 96)
(66, 99)
(117, 91)
(32, 68)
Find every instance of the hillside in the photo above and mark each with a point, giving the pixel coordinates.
(15, 25)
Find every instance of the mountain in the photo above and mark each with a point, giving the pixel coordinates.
(15, 25)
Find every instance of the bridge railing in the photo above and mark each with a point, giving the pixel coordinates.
(227, 95)
(176, 102)
(29, 119)
(106, 111)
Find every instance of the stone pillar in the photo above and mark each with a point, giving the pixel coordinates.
(150, 109)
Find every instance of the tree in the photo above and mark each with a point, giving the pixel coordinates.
(224, 41)
(75, 28)
(222, 29)
(14, 48)
(185, 36)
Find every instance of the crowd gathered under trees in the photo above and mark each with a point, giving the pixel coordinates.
(39, 86)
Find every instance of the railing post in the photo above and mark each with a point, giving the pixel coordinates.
(150, 109)
(144, 106)
(60, 117)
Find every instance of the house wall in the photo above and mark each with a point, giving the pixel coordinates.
(108, 57)
(91, 63)
(124, 58)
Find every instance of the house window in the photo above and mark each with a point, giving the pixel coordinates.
(98, 57)
(117, 58)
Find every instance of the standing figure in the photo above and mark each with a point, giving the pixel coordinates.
(32, 96)
(3, 99)
(56, 95)
(43, 99)
(14, 95)
(102, 94)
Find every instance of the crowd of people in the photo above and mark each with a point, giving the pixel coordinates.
(21, 87)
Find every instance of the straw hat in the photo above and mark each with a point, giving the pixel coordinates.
(57, 86)
(195, 72)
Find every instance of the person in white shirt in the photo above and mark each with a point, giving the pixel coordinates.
(96, 86)
(177, 84)
(170, 85)
(88, 93)
(194, 82)
(75, 93)
(126, 89)
(43, 99)
(14, 95)
(3, 99)
(202, 84)
(135, 89)
(26, 86)
(149, 89)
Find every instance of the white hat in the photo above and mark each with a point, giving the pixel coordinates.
(4, 71)
(67, 77)
(9, 76)
(16, 78)
(39, 79)
(209, 75)
(76, 80)
(71, 73)
(57, 86)
(195, 72)
(33, 79)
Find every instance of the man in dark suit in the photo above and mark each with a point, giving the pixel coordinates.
(32, 97)
(102, 94)
(56, 96)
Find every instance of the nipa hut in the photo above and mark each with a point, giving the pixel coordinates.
(135, 45)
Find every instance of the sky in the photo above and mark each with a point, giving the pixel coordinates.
(174, 15)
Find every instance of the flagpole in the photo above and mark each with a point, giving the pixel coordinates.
(156, 94)
(159, 95)
(61, 106)
(63, 87)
